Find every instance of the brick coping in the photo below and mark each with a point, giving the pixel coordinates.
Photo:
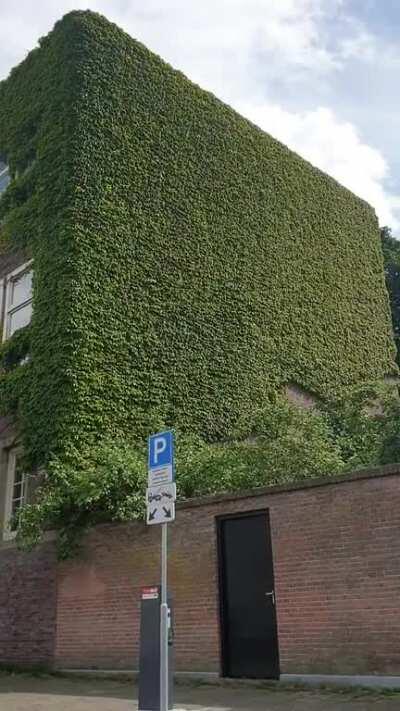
(359, 475)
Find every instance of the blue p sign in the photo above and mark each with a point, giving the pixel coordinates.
(161, 450)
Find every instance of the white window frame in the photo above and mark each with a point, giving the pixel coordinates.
(6, 170)
(6, 285)
(8, 534)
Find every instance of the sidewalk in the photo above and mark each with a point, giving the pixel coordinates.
(27, 693)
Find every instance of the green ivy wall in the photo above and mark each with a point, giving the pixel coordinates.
(187, 265)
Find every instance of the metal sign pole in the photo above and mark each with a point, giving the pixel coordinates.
(164, 622)
(160, 504)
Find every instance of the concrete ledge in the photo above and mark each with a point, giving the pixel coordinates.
(202, 677)
(372, 681)
(312, 680)
(120, 674)
(132, 675)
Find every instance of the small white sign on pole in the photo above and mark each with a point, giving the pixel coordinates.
(161, 475)
(160, 503)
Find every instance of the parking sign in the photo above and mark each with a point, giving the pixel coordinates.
(161, 458)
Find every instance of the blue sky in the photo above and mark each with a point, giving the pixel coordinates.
(320, 75)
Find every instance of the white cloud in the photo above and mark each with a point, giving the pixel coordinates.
(228, 46)
(240, 49)
(361, 45)
(214, 41)
(334, 146)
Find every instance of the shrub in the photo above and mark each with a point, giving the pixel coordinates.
(107, 482)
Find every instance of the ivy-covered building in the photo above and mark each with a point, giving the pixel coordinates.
(164, 261)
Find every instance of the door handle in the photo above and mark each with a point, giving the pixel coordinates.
(271, 595)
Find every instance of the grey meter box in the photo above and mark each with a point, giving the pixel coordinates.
(149, 656)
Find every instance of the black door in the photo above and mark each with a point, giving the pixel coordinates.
(248, 617)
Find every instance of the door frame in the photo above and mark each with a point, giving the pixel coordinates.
(221, 592)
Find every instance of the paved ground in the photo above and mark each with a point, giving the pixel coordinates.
(25, 693)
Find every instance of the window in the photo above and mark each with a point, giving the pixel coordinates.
(4, 176)
(15, 492)
(18, 300)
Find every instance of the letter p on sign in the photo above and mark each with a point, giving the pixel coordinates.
(161, 450)
(160, 445)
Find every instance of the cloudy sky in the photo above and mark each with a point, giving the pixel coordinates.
(320, 75)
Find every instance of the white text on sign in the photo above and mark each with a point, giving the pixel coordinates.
(161, 475)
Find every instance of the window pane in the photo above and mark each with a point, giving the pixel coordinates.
(19, 475)
(17, 490)
(19, 319)
(18, 494)
(21, 289)
(4, 179)
(15, 506)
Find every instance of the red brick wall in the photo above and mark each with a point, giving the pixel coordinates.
(27, 607)
(337, 573)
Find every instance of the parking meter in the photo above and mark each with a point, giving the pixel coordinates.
(149, 656)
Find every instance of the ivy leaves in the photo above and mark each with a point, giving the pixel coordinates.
(106, 482)
(187, 266)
